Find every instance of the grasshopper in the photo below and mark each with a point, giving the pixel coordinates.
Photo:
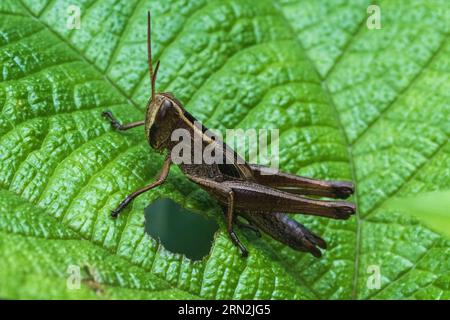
(244, 191)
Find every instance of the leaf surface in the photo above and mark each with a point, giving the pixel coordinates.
(351, 103)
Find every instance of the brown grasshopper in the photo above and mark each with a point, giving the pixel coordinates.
(243, 190)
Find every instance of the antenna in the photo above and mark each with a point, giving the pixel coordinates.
(149, 52)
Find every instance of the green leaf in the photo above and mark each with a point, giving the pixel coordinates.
(350, 103)
(430, 207)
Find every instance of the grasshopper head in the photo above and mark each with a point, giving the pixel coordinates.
(161, 119)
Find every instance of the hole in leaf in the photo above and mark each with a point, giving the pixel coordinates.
(180, 230)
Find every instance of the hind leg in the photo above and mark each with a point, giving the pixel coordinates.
(302, 185)
(253, 197)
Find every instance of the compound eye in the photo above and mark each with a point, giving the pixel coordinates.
(167, 104)
(165, 107)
